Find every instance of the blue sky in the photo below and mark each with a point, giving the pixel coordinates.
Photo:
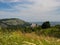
(31, 10)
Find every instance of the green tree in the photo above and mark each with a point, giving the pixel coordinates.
(46, 25)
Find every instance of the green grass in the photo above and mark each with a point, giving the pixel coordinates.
(18, 38)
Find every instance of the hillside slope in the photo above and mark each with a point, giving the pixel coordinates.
(12, 22)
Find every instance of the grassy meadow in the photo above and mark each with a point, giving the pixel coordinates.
(19, 38)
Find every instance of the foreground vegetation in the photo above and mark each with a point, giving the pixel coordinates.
(16, 37)
(17, 32)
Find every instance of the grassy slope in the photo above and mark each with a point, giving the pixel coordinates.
(18, 38)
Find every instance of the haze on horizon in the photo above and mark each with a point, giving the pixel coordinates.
(31, 10)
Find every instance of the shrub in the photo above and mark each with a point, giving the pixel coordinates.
(46, 25)
(57, 26)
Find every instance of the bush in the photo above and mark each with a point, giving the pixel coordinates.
(46, 25)
(57, 26)
(52, 32)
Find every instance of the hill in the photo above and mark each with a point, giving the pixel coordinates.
(13, 22)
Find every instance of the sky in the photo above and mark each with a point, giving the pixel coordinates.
(31, 10)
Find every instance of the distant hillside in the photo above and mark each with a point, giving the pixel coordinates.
(13, 22)
(52, 23)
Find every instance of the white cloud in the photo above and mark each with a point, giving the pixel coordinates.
(40, 6)
(44, 5)
(9, 0)
(38, 11)
(13, 0)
